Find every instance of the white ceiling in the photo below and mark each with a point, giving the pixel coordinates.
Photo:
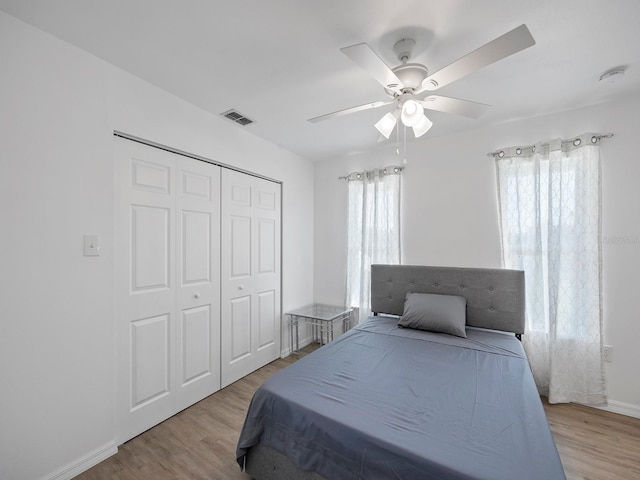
(278, 61)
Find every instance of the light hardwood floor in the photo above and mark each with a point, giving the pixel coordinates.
(200, 442)
(594, 444)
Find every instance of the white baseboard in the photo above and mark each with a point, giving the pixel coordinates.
(85, 463)
(622, 408)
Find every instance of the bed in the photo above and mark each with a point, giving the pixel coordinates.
(385, 402)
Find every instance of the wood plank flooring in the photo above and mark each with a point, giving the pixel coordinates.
(595, 444)
(200, 442)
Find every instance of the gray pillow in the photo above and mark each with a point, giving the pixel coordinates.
(435, 313)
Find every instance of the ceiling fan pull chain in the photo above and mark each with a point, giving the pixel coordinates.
(404, 160)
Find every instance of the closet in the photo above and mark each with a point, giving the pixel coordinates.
(197, 260)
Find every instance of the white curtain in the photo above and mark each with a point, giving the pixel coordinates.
(549, 196)
(373, 230)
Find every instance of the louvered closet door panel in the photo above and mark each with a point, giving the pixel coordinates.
(250, 265)
(198, 281)
(145, 290)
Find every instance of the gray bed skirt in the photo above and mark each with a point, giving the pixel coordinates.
(265, 463)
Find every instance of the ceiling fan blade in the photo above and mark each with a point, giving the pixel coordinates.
(373, 65)
(454, 105)
(346, 111)
(511, 42)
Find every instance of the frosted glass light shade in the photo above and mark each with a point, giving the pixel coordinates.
(412, 112)
(387, 123)
(422, 126)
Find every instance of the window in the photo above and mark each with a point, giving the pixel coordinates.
(549, 199)
(373, 230)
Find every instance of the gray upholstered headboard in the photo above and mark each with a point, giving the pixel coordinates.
(495, 297)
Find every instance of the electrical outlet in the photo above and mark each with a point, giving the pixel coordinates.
(607, 353)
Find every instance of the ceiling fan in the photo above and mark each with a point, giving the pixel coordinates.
(408, 81)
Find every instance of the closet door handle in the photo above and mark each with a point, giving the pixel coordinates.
(240, 287)
(197, 295)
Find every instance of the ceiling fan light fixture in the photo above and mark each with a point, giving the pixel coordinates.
(422, 126)
(412, 113)
(387, 123)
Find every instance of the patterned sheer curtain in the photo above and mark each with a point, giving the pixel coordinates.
(373, 230)
(549, 196)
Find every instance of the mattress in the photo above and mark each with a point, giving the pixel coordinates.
(385, 402)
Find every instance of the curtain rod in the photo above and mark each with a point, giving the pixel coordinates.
(594, 139)
(356, 175)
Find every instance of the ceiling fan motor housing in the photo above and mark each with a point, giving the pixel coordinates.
(411, 75)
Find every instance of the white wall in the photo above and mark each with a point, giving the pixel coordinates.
(450, 216)
(58, 109)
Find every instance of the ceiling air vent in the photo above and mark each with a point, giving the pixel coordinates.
(237, 117)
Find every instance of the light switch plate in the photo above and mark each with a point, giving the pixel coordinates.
(91, 245)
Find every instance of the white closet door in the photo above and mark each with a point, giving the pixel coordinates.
(251, 316)
(167, 284)
(197, 281)
(145, 293)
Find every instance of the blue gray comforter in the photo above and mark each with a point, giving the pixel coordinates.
(382, 402)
